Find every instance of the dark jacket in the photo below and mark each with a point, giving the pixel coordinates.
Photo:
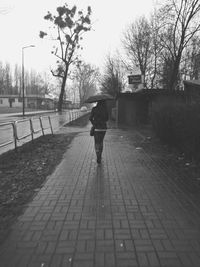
(99, 117)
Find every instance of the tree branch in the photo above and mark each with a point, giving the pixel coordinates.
(56, 75)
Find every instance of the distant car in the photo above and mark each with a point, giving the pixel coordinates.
(84, 108)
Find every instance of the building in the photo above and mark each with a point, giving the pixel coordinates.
(10, 101)
(30, 101)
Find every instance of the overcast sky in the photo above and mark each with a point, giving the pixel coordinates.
(21, 24)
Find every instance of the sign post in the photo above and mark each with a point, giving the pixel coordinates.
(135, 79)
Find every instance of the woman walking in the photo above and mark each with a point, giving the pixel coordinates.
(98, 118)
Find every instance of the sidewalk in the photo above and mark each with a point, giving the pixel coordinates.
(123, 213)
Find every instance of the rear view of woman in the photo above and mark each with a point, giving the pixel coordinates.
(98, 118)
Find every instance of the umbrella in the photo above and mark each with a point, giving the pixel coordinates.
(98, 97)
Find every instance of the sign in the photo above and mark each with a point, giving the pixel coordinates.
(135, 79)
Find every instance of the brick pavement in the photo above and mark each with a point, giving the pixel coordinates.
(123, 213)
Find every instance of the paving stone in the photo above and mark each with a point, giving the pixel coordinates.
(125, 212)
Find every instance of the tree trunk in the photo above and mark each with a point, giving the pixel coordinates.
(62, 91)
(174, 77)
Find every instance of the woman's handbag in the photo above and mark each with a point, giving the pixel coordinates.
(92, 131)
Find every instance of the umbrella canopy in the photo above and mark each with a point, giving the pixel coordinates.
(98, 97)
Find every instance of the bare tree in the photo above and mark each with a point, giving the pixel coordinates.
(8, 79)
(189, 65)
(70, 26)
(178, 19)
(136, 42)
(36, 83)
(11, 81)
(112, 80)
(17, 81)
(50, 85)
(2, 79)
(154, 61)
(86, 77)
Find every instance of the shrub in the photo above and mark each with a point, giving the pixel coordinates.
(179, 125)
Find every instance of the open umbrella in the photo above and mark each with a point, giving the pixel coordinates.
(98, 97)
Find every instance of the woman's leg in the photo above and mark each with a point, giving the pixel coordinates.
(98, 138)
(102, 135)
(97, 144)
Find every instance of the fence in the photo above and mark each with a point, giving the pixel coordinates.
(9, 128)
(16, 131)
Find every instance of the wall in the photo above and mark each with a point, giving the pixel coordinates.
(133, 109)
(136, 108)
(192, 91)
(164, 98)
(10, 102)
(110, 105)
(4, 102)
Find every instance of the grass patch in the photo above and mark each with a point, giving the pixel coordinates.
(23, 172)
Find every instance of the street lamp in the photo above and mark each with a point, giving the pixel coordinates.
(23, 102)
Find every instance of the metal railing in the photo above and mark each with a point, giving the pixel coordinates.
(6, 127)
(21, 129)
(27, 133)
(18, 130)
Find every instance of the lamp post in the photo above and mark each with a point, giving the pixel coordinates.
(23, 100)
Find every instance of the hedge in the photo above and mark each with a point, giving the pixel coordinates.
(179, 126)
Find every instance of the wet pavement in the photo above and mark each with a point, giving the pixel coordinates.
(124, 212)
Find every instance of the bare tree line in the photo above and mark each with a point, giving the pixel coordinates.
(163, 47)
(11, 81)
(85, 79)
(112, 81)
